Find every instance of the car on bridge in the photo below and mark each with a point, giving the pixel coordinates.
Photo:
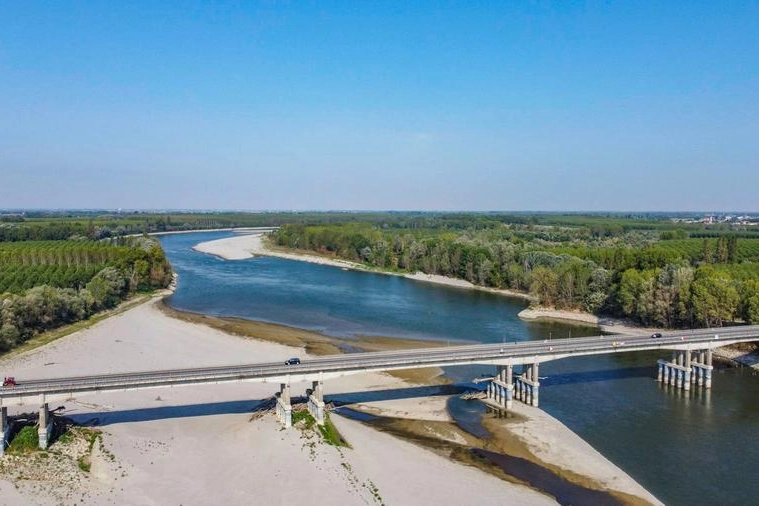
(9, 381)
(655, 335)
(292, 361)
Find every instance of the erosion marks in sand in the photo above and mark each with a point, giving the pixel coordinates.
(452, 442)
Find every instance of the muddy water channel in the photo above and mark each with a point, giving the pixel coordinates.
(686, 448)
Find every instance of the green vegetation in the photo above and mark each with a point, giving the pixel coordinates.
(46, 284)
(330, 434)
(84, 461)
(26, 441)
(663, 270)
(303, 417)
(655, 271)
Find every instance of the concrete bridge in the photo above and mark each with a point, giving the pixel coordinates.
(691, 365)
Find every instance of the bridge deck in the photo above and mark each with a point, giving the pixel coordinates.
(515, 353)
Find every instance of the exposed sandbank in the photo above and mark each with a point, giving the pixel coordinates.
(610, 325)
(199, 445)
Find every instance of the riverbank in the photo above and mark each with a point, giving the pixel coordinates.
(245, 246)
(202, 441)
(608, 476)
(606, 324)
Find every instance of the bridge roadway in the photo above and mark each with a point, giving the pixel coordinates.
(318, 369)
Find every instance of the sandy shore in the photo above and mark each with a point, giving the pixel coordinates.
(565, 455)
(245, 246)
(611, 325)
(200, 445)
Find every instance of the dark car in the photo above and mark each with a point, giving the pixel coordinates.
(655, 335)
(292, 361)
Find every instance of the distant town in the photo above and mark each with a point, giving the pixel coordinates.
(728, 219)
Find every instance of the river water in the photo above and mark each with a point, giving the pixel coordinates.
(686, 448)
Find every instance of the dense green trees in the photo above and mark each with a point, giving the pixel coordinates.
(673, 283)
(44, 284)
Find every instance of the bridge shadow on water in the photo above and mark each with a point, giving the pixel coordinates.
(572, 378)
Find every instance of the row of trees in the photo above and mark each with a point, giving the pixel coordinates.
(71, 264)
(143, 266)
(652, 285)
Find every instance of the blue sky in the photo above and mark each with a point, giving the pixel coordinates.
(637, 106)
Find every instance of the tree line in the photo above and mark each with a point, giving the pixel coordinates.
(648, 283)
(51, 286)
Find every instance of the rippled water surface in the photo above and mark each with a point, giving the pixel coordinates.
(694, 448)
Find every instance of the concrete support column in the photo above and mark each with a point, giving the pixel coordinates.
(687, 372)
(284, 408)
(509, 396)
(5, 429)
(316, 402)
(708, 369)
(45, 428)
(535, 385)
(660, 375)
(318, 390)
(528, 385)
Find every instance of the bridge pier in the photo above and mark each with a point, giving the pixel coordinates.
(316, 402)
(686, 368)
(45, 428)
(500, 390)
(5, 428)
(284, 408)
(527, 385)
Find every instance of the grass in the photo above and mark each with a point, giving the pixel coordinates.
(84, 463)
(26, 441)
(331, 435)
(303, 416)
(328, 431)
(91, 436)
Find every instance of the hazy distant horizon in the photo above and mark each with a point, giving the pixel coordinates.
(640, 107)
(377, 211)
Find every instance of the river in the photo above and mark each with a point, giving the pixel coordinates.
(685, 447)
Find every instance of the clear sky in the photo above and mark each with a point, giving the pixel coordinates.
(410, 105)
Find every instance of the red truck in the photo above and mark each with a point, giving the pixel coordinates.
(9, 381)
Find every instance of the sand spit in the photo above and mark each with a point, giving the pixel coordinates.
(245, 246)
(611, 325)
